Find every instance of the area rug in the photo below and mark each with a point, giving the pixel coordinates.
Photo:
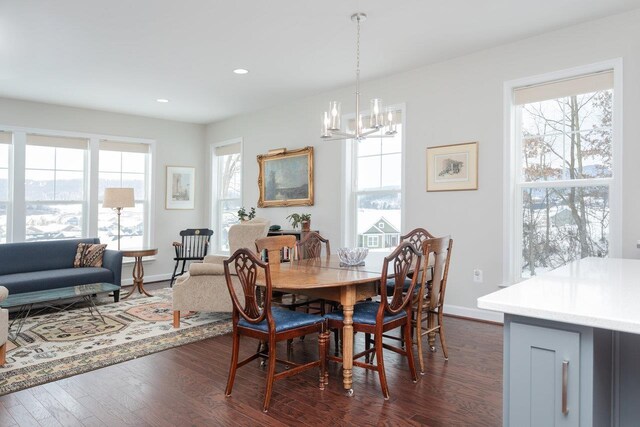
(61, 344)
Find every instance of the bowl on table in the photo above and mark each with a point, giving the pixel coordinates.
(352, 256)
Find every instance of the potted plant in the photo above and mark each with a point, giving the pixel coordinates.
(300, 219)
(244, 216)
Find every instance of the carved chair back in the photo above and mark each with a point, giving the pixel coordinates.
(248, 268)
(403, 259)
(439, 250)
(310, 246)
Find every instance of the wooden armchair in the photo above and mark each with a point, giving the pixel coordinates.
(269, 325)
(193, 247)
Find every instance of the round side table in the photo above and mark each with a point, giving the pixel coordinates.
(138, 270)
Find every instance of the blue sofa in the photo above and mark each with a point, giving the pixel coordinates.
(36, 266)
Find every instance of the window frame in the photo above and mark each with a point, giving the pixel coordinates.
(349, 179)
(16, 215)
(215, 205)
(512, 185)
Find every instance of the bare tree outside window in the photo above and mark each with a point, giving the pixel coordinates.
(566, 166)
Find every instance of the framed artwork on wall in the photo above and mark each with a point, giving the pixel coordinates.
(285, 178)
(452, 167)
(180, 187)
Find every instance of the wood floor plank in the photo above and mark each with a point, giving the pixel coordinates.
(185, 386)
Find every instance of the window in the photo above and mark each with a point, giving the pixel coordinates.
(124, 165)
(376, 190)
(564, 174)
(55, 201)
(227, 177)
(5, 146)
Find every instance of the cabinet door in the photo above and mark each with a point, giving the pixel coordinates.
(544, 368)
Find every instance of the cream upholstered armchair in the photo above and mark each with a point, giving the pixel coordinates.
(4, 326)
(204, 287)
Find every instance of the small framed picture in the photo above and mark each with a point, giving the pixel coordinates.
(181, 182)
(452, 167)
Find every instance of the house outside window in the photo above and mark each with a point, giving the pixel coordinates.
(375, 194)
(227, 182)
(564, 174)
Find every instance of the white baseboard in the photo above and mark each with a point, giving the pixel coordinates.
(147, 279)
(474, 313)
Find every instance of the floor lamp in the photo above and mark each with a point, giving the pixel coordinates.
(116, 199)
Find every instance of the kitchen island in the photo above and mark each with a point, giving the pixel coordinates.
(572, 345)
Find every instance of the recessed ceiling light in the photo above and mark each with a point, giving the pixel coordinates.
(240, 71)
(162, 100)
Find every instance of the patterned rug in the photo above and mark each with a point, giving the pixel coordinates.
(61, 344)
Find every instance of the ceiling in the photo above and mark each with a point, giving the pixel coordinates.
(121, 55)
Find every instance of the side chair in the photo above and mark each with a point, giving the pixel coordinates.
(267, 324)
(415, 237)
(193, 246)
(376, 318)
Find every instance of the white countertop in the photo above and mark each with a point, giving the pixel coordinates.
(597, 292)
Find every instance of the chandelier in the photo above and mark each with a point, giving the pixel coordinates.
(380, 123)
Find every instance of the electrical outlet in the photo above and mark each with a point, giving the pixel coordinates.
(477, 276)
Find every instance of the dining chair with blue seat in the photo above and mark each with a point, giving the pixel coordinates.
(267, 324)
(416, 238)
(376, 318)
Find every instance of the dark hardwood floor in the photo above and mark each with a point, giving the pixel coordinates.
(185, 386)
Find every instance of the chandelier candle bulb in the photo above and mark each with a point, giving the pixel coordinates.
(325, 125)
(334, 108)
(376, 119)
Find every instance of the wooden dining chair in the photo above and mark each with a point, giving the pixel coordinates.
(310, 246)
(376, 318)
(415, 237)
(193, 246)
(429, 303)
(267, 324)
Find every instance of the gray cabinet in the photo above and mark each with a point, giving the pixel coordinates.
(545, 376)
(556, 374)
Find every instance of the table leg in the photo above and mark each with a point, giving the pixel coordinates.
(348, 301)
(138, 279)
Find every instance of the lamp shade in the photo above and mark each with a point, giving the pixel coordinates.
(118, 198)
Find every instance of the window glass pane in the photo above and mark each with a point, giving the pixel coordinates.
(368, 173)
(368, 147)
(134, 162)
(393, 145)
(542, 118)
(230, 167)
(40, 157)
(46, 221)
(596, 153)
(135, 181)
(39, 185)
(70, 159)
(593, 109)
(228, 217)
(110, 161)
(391, 171)
(69, 185)
(131, 227)
(378, 218)
(4, 185)
(3, 223)
(4, 155)
(563, 224)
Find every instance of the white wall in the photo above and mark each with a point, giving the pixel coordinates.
(456, 101)
(179, 144)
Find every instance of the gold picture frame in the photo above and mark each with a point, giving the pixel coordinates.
(285, 178)
(452, 167)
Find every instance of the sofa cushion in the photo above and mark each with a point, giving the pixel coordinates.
(39, 256)
(52, 279)
(89, 255)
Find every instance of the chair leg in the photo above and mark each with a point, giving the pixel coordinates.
(322, 353)
(3, 354)
(176, 318)
(381, 373)
(367, 346)
(234, 363)
(289, 348)
(443, 341)
(173, 276)
(336, 335)
(418, 329)
(184, 263)
(409, 350)
(116, 296)
(270, 375)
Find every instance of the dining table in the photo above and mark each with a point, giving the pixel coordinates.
(327, 278)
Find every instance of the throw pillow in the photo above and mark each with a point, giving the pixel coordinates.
(89, 255)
